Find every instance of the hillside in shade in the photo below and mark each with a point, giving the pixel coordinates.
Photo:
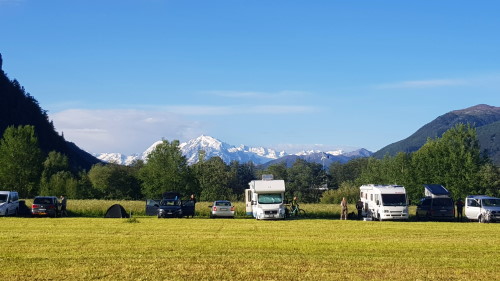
(17, 107)
(484, 117)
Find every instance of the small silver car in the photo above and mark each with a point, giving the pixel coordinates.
(222, 208)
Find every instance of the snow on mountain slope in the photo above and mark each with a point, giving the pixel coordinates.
(243, 154)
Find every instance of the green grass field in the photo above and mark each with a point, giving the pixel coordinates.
(147, 248)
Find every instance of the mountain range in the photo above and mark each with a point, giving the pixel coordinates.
(243, 154)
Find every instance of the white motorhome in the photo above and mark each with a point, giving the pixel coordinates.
(384, 202)
(264, 199)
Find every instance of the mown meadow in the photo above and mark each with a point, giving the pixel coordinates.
(148, 248)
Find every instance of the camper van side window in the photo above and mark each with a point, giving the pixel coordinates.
(472, 202)
(371, 197)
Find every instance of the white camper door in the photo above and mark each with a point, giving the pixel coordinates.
(248, 201)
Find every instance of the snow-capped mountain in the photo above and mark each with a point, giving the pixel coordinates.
(213, 147)
(258, 155)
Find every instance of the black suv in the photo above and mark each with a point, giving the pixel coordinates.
(46, 206)
(436, 208)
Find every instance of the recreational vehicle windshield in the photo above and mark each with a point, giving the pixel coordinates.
(264, 198)
(384, 202)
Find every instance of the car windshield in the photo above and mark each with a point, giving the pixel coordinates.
(274, 198)
(442, 202)
(42, 201)
(169, 202)
(3, 198)
(491, 202)
(394, 199)
(222, 203)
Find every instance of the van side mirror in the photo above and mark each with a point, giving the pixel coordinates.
(377, 202)
(253, 202)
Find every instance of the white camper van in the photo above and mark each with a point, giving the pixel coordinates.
(264, 198)
(9, 203)
(384, 202)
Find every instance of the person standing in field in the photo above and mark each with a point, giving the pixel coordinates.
(359, 207)
(63, 206)
(460, 206)
(343, 205)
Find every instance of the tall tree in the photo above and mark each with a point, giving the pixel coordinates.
(214, 178)
(55, 167)
(304, 180)
(241, 175)
(20, 160)
(115, 181)
(454, 160)
(166, 170)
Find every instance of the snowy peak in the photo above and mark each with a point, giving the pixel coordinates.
(213, 147)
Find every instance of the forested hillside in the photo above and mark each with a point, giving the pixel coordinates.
(479, 116)
(17, 107)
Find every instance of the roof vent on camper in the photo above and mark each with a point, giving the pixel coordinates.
(436, 190)
(267, 177)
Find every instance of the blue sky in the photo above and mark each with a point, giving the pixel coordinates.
(116, 76)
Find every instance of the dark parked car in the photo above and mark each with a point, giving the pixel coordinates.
(436, 208)
(170, 206)
(46, 206)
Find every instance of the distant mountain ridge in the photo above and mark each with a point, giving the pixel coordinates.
(243, 154)
(484, 117)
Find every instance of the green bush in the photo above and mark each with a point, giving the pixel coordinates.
(347, 189)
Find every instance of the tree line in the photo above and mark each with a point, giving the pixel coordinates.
(454, 160)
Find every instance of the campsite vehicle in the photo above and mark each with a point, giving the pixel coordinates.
(384, 202)
(222, 208)
(45, 206)
(482, 208)
(9, 203)
(436, 205)
(170, 206)
(265, 198)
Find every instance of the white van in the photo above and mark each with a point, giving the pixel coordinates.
(482, 208)
(384, 202)
(9, 203)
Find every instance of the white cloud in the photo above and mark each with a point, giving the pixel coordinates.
(124, 131)
(133, 131)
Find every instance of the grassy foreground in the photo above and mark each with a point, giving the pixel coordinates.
(245, 249)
